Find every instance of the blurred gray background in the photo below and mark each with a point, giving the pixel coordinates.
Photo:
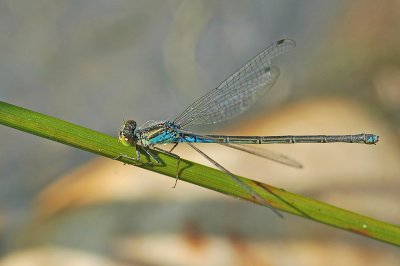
(96, 63)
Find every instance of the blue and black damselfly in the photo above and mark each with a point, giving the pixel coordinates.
(232, 97)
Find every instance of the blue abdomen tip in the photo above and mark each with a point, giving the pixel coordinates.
(371, 139)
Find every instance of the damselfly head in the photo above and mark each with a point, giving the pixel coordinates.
(127, 134)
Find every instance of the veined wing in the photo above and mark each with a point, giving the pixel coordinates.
(267, 154)
(238, 92)
(263, 153)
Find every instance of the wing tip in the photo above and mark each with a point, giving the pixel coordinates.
(287, 42)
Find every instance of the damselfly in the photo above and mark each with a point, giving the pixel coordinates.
(232, 97)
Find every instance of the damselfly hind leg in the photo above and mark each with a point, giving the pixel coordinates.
(252, 192)
(176, 157)
(176, 144)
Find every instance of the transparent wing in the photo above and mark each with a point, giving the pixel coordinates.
(263, 153)
(267, 154)
(238, 92)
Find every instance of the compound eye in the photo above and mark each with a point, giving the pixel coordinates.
(127, 134)
(130, 125)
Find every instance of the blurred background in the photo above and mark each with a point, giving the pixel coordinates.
(96, 63)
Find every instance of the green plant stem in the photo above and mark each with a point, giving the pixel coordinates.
(105, 145)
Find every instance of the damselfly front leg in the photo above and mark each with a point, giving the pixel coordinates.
(154, 157)
(137, 159)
